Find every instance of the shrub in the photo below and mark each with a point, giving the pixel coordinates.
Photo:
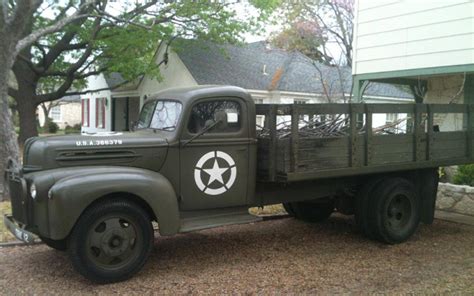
(75, 129)
(52, 126)
(464, 175)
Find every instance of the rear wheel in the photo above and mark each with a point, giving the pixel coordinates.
(312, 211)
(111, 241)
(393, 211)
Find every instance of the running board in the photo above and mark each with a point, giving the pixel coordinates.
(198, 220)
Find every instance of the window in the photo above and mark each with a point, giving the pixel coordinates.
(56, 113)
(299, 101)
(161, 115)
(100, 112)
(85, 112)
(258, 101)
(391, 118)
(225, 115)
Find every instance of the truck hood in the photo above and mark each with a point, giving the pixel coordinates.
(144, 149)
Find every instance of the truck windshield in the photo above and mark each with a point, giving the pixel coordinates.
(161, 115)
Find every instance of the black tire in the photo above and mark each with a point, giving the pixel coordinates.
(60, 245)
(288, 209)
(111, 241)
(362, 207)
(393, 210)
(311, 211)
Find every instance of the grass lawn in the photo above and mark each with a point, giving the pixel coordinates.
(5, 235)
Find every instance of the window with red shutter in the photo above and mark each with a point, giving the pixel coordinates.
(85, 112)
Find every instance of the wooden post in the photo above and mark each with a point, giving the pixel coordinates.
(417, 133)
(429, 140)
(368, 134)
(353, 137)
(272, 122)
(294, 138)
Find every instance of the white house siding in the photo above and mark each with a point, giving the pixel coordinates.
(174, 74)
(70, 114)
(393, 35)
(98, 82)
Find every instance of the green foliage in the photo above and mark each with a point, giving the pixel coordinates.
(464, 175)
(52, 127)
(75, 129)
(130, 47)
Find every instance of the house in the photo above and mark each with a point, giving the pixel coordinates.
(425, 45)
(270, 75)
(65, 111)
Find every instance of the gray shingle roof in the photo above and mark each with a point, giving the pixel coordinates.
(255, 66)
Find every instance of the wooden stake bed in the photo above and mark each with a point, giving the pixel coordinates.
(312, 141)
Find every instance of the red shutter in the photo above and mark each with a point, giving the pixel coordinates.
(103, 112)
(88, 112)
(96, 112)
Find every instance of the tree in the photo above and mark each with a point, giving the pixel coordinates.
(64, 42)
(107, 43)
(332, 21)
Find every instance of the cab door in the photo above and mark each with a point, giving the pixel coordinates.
(214, 165)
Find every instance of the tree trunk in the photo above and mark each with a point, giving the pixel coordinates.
(28, 121)
(8, 141)
(46, 110)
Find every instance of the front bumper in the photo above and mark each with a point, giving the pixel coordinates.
(19, 232)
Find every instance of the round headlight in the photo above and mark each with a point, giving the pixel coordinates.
(33, 191)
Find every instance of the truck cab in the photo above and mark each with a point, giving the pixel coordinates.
(193, 152)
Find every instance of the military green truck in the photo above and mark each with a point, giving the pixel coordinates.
(196, 159)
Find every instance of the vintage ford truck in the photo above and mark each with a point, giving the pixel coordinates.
(197, 160)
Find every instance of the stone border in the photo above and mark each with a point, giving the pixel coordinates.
(455, 198)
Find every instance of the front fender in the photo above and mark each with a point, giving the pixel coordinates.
(71, 195)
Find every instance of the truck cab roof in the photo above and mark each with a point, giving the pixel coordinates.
(188, 95)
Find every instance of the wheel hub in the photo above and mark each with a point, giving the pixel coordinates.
(399, 210)
(115, 242)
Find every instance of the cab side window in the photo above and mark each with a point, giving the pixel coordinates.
(224, 114)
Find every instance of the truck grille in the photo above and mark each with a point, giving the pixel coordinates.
(18, 194)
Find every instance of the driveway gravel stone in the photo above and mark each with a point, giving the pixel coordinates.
(282, 256)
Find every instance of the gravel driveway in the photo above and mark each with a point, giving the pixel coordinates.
(275, 256)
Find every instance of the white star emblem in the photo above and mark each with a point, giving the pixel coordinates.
(215, 173)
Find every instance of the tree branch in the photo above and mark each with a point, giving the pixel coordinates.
(32, 37)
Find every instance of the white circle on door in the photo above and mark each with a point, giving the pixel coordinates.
(219, 180)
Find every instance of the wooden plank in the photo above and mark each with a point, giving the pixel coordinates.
(449, 136)
(392, 148)
(388, 158)
(449, 108)
(392, 108)
(314, 143)
(294, 138)
(392, 139)
(446, 144)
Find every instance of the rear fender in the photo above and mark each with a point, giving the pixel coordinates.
(70, 196)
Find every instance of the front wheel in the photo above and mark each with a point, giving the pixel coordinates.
(111, 241)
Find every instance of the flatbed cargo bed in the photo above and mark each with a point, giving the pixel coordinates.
(296, 150)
